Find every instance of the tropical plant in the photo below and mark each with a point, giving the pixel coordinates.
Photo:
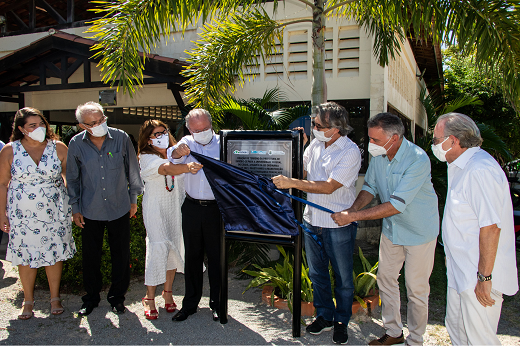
(265, 113)
(242, 33)
(462, 78)
(492, 142)
(281, 278)
(364, 281)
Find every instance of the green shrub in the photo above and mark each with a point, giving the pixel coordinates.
(72, 276)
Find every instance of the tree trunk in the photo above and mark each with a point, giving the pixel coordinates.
(319, 84)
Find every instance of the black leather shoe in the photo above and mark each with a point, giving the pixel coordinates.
(86, 309)
(118, 308)
(183, 314)
(215, 314)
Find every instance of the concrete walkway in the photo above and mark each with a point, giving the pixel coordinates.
(250, 321)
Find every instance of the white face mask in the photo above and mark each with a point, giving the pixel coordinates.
(439, 152)
(162, 141)
(203, 137)
(100, 130)
(320, 135)
(38, 134)
(377, 150)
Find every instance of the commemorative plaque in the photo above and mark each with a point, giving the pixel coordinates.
(268, 158)
(265, 153)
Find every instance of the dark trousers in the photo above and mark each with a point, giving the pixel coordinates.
(201, 231)
(119, 242)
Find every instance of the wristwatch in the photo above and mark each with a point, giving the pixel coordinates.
(483, 278)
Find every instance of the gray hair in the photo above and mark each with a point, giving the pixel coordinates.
(88, 107)
(390, 123)
(333, 115)
(461, 127)
(195, 113)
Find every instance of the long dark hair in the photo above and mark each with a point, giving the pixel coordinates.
(144, 136)
(20, 119)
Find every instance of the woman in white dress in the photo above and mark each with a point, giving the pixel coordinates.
(34, 205)
(162, 200)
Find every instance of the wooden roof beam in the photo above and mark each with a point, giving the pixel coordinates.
(51, 11)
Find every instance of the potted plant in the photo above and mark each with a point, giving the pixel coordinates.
(365, 292)
(277, 284)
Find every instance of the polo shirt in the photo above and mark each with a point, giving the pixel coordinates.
(406, 183)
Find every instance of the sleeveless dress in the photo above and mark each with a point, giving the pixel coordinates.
(38, 210)
(162, 220)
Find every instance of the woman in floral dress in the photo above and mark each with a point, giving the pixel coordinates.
(34, 206)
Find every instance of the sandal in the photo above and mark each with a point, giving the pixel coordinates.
(25, 315)
(169, 307)
(150, 314)
(56, 311)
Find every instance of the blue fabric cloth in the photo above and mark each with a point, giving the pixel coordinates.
(406, 183)
(338, 248)
(248, 202)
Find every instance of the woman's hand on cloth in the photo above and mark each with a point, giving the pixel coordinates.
(193, 167)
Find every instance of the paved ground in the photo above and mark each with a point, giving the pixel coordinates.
(250, 321)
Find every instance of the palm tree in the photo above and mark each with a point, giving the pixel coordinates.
(242, 33)
(265, 113)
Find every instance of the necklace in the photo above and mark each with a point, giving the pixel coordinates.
(169, 189)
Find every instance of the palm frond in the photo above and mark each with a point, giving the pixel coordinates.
(132, 27)
(494, 144)
(225, 47)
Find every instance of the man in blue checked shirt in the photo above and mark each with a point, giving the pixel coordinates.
(331, 164)
(103, 182)
(400, 174)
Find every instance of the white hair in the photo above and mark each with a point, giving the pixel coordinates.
(195, 113)
(88, 107)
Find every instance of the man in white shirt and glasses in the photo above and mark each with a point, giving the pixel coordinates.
(331, 164)
(200, 215)
(478, 233)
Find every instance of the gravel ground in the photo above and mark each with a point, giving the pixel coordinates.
(250, 321)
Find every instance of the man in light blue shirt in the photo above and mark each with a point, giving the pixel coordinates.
(400, 174)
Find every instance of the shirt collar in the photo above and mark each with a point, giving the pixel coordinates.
(400, 152)
(463, 158)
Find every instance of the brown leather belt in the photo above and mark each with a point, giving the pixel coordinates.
(201, 202)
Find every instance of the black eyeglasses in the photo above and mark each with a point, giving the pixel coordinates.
(159, 133)
(96, 123)
(318, 126)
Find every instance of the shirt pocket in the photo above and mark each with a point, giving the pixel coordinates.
(395, 179)
(115, 161)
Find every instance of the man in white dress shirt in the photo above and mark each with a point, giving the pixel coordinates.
(331, 164)
(478, 233)
(200, 215)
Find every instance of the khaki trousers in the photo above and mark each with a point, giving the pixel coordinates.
(470, 323)
(418, 265)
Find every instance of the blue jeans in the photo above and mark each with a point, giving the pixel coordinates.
(338, 248)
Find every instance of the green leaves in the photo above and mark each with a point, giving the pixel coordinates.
(365, 281)
(224, 48)
(266, 113)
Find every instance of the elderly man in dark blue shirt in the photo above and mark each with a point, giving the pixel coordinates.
(103, 182)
